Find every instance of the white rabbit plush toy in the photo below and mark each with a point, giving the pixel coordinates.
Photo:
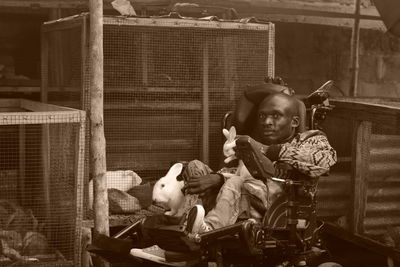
(229, 153)
(168, 190)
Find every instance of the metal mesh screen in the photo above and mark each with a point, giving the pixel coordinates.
(167, 87)
(167, 84)
(40, 203)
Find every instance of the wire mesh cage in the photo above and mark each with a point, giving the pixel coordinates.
(41, 183)
(364, 185)
(167, 82)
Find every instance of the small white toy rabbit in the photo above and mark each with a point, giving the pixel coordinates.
(230, 153)
(121, 180)
(168, 190)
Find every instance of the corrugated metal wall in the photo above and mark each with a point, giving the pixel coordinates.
(334, 195)
(383, 197)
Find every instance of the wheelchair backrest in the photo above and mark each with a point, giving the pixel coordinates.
(245, 115)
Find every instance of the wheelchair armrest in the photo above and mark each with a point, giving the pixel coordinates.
(256, 162)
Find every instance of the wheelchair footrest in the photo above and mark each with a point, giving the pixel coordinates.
(224, 231)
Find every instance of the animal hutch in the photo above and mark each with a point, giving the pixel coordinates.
(41, 174)
(362, 194)
(168, 81)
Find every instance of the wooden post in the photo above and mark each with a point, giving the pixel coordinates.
(205, 105)
(354, 54)
(97, 140)
(360, 173)
(54, 14)
(145, 58)
(45, 143)
(271, 51)
(44, 58)
(86, 240)
(22, 164)
(83, 233)
(230, 70)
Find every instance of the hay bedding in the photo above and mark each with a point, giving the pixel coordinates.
(21, 238)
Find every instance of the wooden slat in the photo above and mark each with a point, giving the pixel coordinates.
(142, 126)
(115, 145)
(360, 163)
(41, 107)
(62, 24)
(10, 103)
(154, 106)
(148, 161)
(205, 106)
(19, 89)
(70, 3)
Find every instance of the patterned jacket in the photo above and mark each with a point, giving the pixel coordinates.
(309, 152)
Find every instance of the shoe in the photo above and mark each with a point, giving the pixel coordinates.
(154, 254)
(195, 221)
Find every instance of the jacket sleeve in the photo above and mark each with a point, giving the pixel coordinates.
(310, 153)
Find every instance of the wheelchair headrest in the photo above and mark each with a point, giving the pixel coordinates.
(245, 114)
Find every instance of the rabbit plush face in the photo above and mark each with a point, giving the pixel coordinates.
(168, 190)
(230, 143)
(230, 153)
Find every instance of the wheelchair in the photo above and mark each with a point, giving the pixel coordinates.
(288, 233)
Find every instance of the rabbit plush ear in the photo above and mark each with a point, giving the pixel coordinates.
(175, 170)
(232, 133)
(226, 133)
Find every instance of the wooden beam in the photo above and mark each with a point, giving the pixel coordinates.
(72, 3)
(313, 12)
(311, 8)
(319, 20)
(360, 172)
